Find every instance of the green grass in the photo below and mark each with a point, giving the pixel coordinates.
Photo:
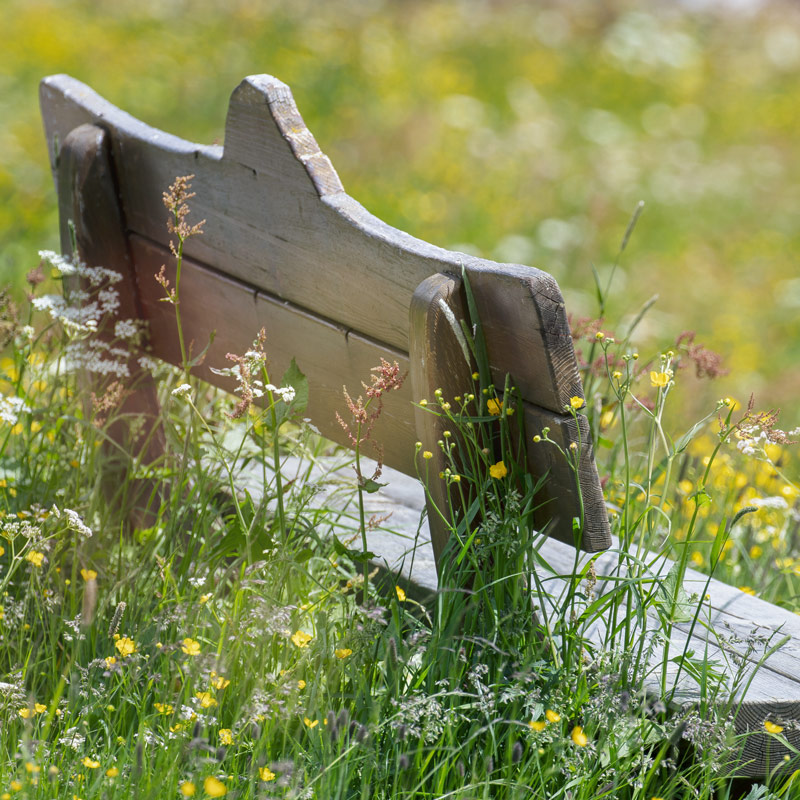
(222, 641)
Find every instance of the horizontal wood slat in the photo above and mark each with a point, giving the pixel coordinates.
(327, 353)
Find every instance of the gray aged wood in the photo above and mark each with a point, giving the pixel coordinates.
(284, 247)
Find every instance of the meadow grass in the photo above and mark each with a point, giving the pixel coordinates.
(223, 642)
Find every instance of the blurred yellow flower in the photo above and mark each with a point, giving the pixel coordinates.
(493, 406)
(88, 574)
(301, 638)
(188, 789)
(537, 725)
(343, 652)
(226, 736)
(90, 763)
(112, 772)
(266, 774)
(301, 684)
(579, 737)
(426, 454)
(310, 723)
(206, 699)
(34, 557)
(552, 716)
(214, 787)
(219, 681)
(401, 595)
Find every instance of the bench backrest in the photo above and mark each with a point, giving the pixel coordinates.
(286, 248)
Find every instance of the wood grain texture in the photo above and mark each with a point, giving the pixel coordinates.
(738, 631)
(506, 303)
(328, 354)
(88, 200)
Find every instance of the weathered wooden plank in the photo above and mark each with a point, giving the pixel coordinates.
(87, 199)
(507, 300)
(737, 629)
(277, 220)
(328, 354)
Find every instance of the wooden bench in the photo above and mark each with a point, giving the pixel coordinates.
(284, 247)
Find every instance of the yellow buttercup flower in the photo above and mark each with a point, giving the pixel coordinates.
(576, 402)
(206, 699)
(125, 646)
(537, 725)
(301, 684)
(660, 379)
(214, 787)
(401, 595)
(90, 763)
(426, 454)
(191, 647)
(494, 407)
(88, 574)
(301, 638)
(266, 774)
(343, 652)
(188, 789)
(498, 470)
(310, 723)
(579, 737)
(34, 557)
(552, 716)
(163, 708)
(771, 727)
(112, 772)
(226, 736)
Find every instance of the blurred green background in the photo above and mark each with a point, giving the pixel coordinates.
(520, 131)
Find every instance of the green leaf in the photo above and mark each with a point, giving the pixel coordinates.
(674, 599)
(370, 486)
(294, 377)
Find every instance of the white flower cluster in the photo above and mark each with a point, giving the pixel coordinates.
(93, 355)
(777, 502)
(75, 523)
(126, 328)
(755, 439)
(182, 390)
(69, 266)
(285, 393)
(11, 408)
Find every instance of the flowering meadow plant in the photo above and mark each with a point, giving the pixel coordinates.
(233, 646)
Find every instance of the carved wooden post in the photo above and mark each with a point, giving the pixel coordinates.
(88, 202)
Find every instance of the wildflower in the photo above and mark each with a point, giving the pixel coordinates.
(343, 652)
(537, 725)
(498, 470)
(552, 716)
(90, 763)
(188, 789)
(219, 681)
(226, 736)
(301, 639)
(266, 774)
(423, 402)
(112, 772)
(25, 713)
(163, 708)
(579, 737)
(15, 786)
(204, 598)
(660, 379)
(576, 402)
(191, 647)
(88, 574)
(182, 390)
(214, 787)
(39, 708)
(401, 595)
(493, 407)
(301, 684)
(426, 454)
(756, 551)
(206, 699)
(125, 646)
(771, 727)
(310, 723)
(747, 590)
(110, 661)
(34, 557)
